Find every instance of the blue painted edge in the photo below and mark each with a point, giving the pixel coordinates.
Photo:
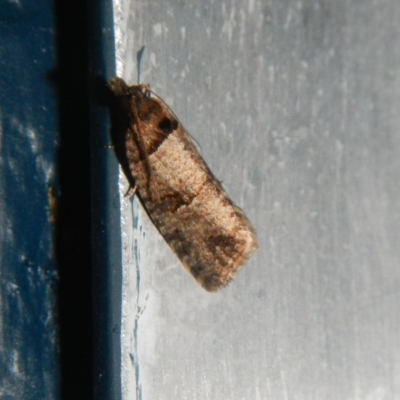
(106, 223)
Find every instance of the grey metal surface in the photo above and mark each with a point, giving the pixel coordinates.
(295, 105)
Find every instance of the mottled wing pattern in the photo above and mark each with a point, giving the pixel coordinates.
(211, 236)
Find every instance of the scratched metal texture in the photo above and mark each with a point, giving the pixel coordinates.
(295, 105)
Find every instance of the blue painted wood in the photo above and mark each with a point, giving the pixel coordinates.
(28, 190)
(47, 155)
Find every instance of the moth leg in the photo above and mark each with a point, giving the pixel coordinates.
(131, 191)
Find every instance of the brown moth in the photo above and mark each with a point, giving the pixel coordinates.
(211, 236)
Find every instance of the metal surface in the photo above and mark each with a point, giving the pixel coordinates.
(295, 105)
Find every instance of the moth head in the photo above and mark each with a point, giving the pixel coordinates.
(119, 87)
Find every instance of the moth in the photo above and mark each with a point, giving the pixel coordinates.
(211, 236)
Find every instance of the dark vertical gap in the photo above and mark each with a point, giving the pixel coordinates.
(74, 223)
